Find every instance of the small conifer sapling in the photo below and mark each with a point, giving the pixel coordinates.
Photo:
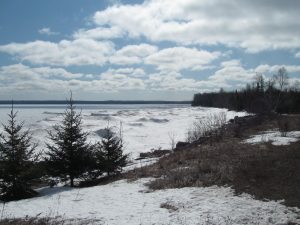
(109, 153)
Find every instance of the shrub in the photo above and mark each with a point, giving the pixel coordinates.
(109, 154)
(211, 126)
(283, 126)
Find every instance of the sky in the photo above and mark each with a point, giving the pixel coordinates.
(143, 50)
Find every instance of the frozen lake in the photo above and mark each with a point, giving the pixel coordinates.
(145, 126)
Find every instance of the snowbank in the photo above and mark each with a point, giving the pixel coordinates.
(131, 203)
(274, 137)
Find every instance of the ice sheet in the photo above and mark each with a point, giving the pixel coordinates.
(145, 127)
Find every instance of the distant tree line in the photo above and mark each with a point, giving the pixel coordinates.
(261, 96)
(110, 102)
(69, 156)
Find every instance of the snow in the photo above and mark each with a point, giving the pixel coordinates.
(135, 164)
(125, 202)
(145, 127)
(274, 137)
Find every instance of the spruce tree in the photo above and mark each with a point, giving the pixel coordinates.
(17, 159)
(109, 153)
(69, 153)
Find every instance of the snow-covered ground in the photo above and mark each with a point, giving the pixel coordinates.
(145, 127)
(131, 203)
(274, 137)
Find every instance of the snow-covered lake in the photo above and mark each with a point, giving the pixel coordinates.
(145, 126)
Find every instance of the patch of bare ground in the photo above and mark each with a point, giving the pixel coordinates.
(263, 170)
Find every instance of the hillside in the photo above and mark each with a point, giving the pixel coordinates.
(201, 183)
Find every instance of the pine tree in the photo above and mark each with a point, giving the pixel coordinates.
(69, 153)
(17, 159)
(109, 153)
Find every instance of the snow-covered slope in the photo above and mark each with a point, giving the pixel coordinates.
(131, 203)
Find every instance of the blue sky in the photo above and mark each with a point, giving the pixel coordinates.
(152, 50)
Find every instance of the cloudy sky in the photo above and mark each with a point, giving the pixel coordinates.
(134, 49)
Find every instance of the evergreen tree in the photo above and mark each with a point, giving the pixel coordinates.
(69, 153)
(109, 153)
(16, 160)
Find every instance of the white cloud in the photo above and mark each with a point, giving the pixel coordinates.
(233, 74)
(295, 83)
(63, 53)
(133, 72)
(22, 78)
(274, 69)
(253, 25)
(99, 33)
(118, 80)
(132, 54)
(233, 71)
(19, 77)
(176, 82)
(18, 72)
(47, 31)
(231, 63)
(179, 58)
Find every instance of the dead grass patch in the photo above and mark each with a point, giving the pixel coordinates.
(263, 170)
(48, 221)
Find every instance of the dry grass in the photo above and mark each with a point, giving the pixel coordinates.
(48, 221)
(264, 170)
(32, 221)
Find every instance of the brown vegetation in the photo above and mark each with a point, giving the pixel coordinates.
(263, 170)
(47, 221)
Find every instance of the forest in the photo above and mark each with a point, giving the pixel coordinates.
(263, 95)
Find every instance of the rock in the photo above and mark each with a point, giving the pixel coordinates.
(181, 144)
(154, 153)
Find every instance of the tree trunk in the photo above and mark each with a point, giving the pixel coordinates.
(72, 181)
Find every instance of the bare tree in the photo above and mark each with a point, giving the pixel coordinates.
(296, 86)
(281, 79)
(172, 137)
(260, 82)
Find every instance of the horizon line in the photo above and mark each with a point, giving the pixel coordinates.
(3, 102)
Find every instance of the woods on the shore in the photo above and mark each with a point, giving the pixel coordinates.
(261, 96)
